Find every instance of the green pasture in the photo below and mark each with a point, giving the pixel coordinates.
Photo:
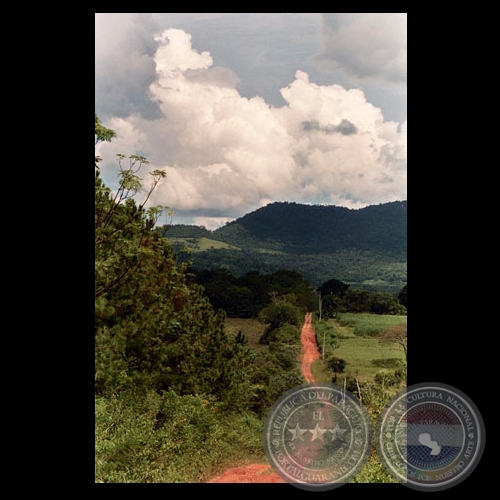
(367, 324)
(367, 356)
(209, 244)
(355, 337)
(200, 244)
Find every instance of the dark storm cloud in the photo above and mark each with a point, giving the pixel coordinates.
(263, 49)
(367, 45)
(124, 65)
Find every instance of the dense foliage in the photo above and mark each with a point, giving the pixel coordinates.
(158, 438)
(369, 270)
(247, 295)
(153, 328)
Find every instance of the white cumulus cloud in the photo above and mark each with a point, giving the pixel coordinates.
(226, 155)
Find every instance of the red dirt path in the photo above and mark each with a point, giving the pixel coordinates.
(254, 473)
(310, 351)
(263, 473)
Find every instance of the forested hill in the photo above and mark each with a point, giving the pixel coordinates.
(365, 248)
(317, 229)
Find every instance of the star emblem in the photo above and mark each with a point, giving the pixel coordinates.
(317, 433)
(297, 432)
(337, 432)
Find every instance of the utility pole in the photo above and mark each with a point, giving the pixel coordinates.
(324, 331)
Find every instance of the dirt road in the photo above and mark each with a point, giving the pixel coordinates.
(310, 351)
(263, 473)
(253, 473)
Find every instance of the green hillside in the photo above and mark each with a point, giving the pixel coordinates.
(365, 248)
(317, 229)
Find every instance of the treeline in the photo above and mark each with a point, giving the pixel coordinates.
(184, 231)
(368, 270)
(337, 297)
(247, 295)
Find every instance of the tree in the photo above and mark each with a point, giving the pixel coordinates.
(153, 329)
(102, 134)
(386, 303)
(287, 281)
(332, 292)
(337, 365)
(333, 287)
(281, 312)
(261, 286)
(396, 335)
(123, 231)
(330, 305)
(356, 300)
(237, 301)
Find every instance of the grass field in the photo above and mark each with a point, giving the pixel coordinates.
(201, 244)
(367, 356)
(207, 244)
(251, 328)
(368, 324)
(356, 337)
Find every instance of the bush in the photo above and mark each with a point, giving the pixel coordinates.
(277, 315)
(282, 382)
(154, 438)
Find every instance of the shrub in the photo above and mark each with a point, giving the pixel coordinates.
(153, 438)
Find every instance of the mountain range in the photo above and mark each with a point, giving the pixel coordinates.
(365, 248)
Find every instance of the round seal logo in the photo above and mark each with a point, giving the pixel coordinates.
(430, 436)
(317, 436)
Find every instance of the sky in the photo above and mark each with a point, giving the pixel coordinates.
(245, 109)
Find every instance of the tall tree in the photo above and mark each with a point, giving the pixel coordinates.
(153, 329)
(331, 293)
(333, 287)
